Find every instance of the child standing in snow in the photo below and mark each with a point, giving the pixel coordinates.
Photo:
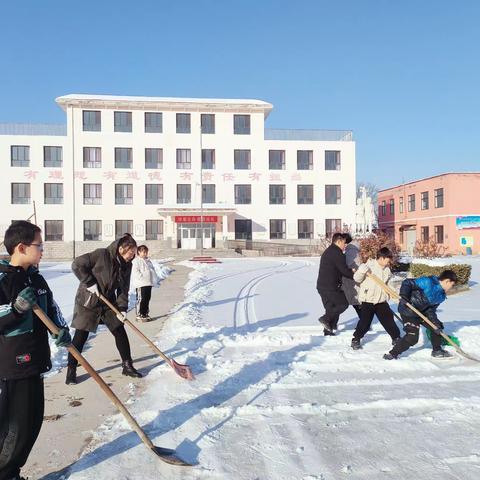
(374, 299)
(425, 294)
(143, 278)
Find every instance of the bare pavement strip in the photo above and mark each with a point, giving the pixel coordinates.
(73, 412)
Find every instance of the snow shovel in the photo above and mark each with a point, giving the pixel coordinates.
(183, 371)
(397, 297)
(164, 454)
(453, 338)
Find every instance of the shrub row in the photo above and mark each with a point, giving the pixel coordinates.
(463, 271)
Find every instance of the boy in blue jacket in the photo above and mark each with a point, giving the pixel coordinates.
(425, 294)
(24, 347)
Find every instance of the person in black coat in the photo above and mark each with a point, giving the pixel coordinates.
(104, 271)
(333, 266)
(24, 346)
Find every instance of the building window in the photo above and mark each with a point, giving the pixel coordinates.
(153, 194)
(241, 159)
(20, 156)
(243, 194)
(123, 194)
(277, 229)
(305, 194)
(154, 229)
(400, 205)
(424, 200)
(92, 157)
(400, 235)
(411, 203)
(439, 198)
(439, 233)
(122, 227)
(153, 158)
(53, 193)
(383, 208)
(153, 122)
(304, 160)
(305, 229)
(207, 121)
(54, 230)
(92, 193)
(276, 159)
(425, 234)
(92, 230)
(92, 121)
(184, 193)
(52, 157)
(241, 124)
(183, 123)
(332, 225)
(392, 206)
(277, 194)
(208, 159)
(208, 193)
(20, 193)
(243, 229)
(332, 160)
(123, 157)
(333, 194)
(122, 121)
(184, 160)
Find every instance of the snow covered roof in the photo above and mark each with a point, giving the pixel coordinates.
(164, 103)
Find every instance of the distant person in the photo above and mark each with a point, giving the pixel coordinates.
(425, 294)
(24, 347)
(104, 271)
(374, 299)
(144, 277)
(333, 267)
(350, 287)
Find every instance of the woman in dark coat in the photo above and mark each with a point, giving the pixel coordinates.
(104, 271)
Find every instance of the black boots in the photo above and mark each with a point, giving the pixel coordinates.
(356, 344)
(129, 370)
(441, 353)
(71, 378)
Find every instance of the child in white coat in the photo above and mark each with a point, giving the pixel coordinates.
(142, 279)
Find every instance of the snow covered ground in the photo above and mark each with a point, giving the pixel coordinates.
(274, 399)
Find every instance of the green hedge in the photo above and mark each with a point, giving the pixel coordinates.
(463, 271)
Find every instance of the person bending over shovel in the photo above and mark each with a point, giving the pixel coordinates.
(104, 271)
(425, 294)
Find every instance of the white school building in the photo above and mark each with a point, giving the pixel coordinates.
(172, 171)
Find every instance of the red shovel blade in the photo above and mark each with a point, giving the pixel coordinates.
(183, 370)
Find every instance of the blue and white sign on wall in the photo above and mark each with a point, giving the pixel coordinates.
(470, 221)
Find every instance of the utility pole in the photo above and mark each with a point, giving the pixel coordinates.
(201, 190)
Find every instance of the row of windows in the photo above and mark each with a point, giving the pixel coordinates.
(425, 234)
(92, 229)
(153, 122)
(92, 158)
(438, 202)
(92, 194)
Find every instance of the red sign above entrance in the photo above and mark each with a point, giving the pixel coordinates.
(196, 219)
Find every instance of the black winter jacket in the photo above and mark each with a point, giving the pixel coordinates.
(111, 273)
(425, 299)
(333, 266)
(24, 348)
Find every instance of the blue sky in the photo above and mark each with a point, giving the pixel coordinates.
(403, 75)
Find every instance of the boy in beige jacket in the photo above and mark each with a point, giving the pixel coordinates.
(374, 300)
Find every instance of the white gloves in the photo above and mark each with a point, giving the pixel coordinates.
(122, 316)
(94, 290)
(363, 269)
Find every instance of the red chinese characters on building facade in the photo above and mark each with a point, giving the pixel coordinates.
(196, 219)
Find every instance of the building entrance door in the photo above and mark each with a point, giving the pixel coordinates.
(190, 236)
(410, 240)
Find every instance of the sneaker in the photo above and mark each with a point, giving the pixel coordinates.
(326, 326)
(138, 318)
(441, 354)
(145, 318)
(328, 333)
(389, 356)
(356, 344)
